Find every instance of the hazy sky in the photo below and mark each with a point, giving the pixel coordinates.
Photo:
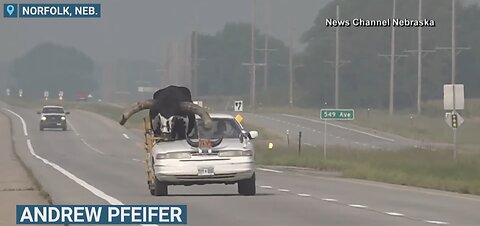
(143, 29)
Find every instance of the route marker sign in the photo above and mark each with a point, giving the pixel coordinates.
(45, 94)
(337, 114)
(238, 105)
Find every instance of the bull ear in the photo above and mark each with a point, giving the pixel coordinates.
(195, 109)
(139, 106)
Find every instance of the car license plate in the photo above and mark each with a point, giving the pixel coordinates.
(205, 171)
(59, 124)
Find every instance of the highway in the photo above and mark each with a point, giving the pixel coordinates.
(97, 161)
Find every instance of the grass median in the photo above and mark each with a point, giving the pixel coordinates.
(413, 167)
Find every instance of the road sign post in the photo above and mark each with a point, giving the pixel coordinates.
(453, 99)
(333, 114)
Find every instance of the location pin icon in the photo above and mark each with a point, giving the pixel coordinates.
(10, 9)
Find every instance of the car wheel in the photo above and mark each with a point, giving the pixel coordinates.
(247, 186)
(41, 128)
(160, 188)
(64, 128)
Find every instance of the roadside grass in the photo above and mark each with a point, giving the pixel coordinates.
(413, 167)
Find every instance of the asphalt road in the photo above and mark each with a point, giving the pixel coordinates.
(337, 133)
(99, 162)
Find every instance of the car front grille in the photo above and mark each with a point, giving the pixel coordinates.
(53, 118)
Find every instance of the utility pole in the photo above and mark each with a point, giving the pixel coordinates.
(392, 61)
(338, 63)
(420, 54)
(252, 58)
(266, 49)
(393, 58)
(291, 65)
(194, 62)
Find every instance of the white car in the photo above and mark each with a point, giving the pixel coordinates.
(232, 161)
(53, 116)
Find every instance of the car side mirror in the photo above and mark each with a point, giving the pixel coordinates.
(67, 113)
(39, 113)
(253, 134)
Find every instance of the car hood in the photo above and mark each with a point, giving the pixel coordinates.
(183, 146)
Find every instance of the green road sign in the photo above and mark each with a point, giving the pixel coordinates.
(337, 114)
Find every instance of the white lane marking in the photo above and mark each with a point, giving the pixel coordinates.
(356, 142)
(304, 195)
(97, 192)
(24, 125)
(395, 214)
(73, 128)
(437, 222)
(337, 137)
(92, 148)
(137, 160)
(283, 190)
(269, 170)
(329, 200)
(341, 127)
(266, 186)
(308, 144)
(126, 136)
(357, 206)
(79, 181)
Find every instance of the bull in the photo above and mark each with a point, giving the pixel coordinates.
(173, 110)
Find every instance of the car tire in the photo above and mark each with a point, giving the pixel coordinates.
(41, 128)
(247, 187)
(160, 188)
(64, 128)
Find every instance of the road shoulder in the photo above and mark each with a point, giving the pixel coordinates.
(17, 186)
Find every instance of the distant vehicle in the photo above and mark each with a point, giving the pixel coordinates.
(178, 163)
(53, 116)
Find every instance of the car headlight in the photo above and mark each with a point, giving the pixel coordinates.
(44, 118)
(174, 155)
(235, 153)
(63, 118)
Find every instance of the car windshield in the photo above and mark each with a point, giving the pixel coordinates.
(52, 110)
(228, 128)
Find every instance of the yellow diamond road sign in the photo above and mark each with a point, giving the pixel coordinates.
(239, 118)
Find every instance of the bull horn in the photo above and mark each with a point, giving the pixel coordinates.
(191, 107)
(139, 106)
(192, 143)
(217, 142)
